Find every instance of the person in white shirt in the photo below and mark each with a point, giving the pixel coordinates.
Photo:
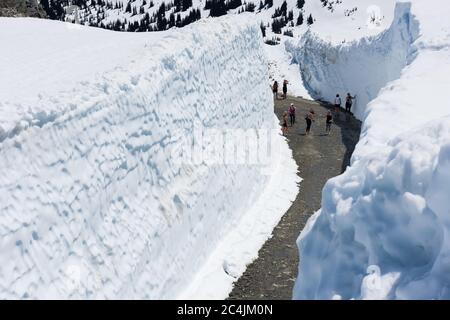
(337, 103)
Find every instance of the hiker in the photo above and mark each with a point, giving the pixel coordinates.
(275, 89)
(329, 121)
(291, 112)
(349, 102)
(337, 103)
(309, 120)
(284, 125)
(285, 83)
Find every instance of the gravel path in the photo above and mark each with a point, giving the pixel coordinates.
(319, 157)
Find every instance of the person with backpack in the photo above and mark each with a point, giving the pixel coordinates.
(291, 112)
(337, 103)
(285, 83)
(349, 102)
(329, 121)
(309, 120)
(275, 89)
(284, 124)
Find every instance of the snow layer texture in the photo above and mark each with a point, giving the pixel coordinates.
(95, 200)
(383, 229)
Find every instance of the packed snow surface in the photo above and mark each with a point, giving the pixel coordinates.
(383, 229)
(127, 161)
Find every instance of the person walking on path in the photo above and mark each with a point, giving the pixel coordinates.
(309, 120)
(337, 103)
(285, 83)
(284, 125)
(349, 102)
(275, 89)
(329, 121)
(291, 112)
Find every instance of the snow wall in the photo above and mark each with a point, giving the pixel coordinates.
(101, 195)
(361, 68)
(383, 229)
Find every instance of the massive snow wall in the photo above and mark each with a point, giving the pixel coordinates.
(382, 231)
(362, 67)
(100, 194)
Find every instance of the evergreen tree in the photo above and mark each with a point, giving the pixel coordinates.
(281, 11)
(290, 16)
(300, 4)
(283, 8)
(177, 4)
(310, 20)
(233, 4)
(172, 20)
(117, 26)
(268, 3)
(250, 7)
(300, 19)
(53, 9)
(263, 30)
(186, 4)
(161, 21)
(128, 7)
(218, 8)
(261, 5)
(278, 24)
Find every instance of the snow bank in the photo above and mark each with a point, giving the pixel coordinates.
(383, 229)
(362, 67)
(114, 179)
(345, 21)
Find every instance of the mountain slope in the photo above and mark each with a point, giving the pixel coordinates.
(277, 16)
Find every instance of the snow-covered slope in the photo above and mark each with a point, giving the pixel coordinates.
(100, 194)
(383, 230)
(336, 20)
(357, 17)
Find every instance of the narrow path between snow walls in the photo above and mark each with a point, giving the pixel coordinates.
(320, 157)
(382, 231)
(157, 174)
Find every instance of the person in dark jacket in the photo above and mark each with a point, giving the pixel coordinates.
(309, 120)
(328, 122)
(349, 102)
(285, 83)
(275, 89)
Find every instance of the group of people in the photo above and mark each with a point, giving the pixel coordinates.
(275, 89)
(348, 103)
(310, 117)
